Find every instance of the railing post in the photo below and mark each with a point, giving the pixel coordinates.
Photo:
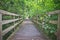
(14, 22)
(58, 29)
(0, 26)
(19, 19)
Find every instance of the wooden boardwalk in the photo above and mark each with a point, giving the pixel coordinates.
(28, 32)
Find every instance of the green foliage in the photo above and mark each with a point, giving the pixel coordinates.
(8, 34)
(5, 17)
(29, 7)
(7, 25)
(48, 28)
(54, 17)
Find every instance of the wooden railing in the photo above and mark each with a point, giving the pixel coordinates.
(35, 20)
(3, 22)
(56, 22)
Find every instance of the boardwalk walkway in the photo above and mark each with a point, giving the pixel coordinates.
(28, 32)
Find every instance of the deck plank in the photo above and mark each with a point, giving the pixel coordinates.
(28, 31)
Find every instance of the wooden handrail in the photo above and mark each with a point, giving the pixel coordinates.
(9, 21)
(7, 13)
(0, 26)
(11, 36)
(58, 28)
(2, 22)
(9, 28)
(56, 22)
(53, 22)
(37, 22)
(54, 12)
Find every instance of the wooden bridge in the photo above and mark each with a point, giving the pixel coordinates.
(25, 30)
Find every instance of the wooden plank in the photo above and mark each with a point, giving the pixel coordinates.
(21, 18)
(53, 22)
(58, 20)
(57, 11)
(37, 22)
(0, 26)
(11, 37)
(8, 29)
(9, 21)
(58, 28)
(14, 21)
(54, 12)
(51, 13)
(7, 13)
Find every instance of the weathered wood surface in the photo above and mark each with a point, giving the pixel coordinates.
(53, 22)
(7, 13)
(8, 29)
(9, 21)
(37, 22)
(54, 12)
(0, 26)
(28, 32)
(58, 28)
(13, 34)
(2, 22)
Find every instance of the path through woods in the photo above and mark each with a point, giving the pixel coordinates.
(28, 31)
